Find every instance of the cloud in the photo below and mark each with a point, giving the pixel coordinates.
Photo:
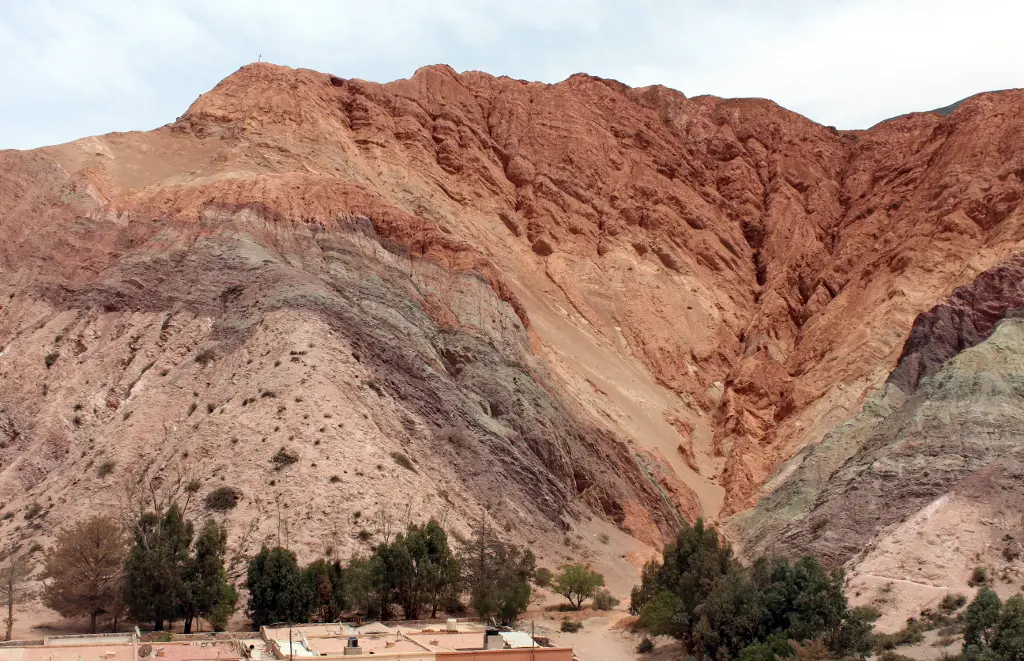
(70, 69)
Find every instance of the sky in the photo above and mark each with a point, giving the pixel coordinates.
(69, 69)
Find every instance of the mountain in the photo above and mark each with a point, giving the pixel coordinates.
(572, 307)
(924, 484)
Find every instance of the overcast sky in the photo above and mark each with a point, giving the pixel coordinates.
(76, 68)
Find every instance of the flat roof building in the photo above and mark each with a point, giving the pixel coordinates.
(405, 641)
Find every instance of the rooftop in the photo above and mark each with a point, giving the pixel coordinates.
(405, 641)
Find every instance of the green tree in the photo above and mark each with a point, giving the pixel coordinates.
(438, 566)
(155, 568)
(361, 590)
(277, 589)
(326, 584)
(497, 576)
(419, 568)
(690, 570)
(720, 609)
(853, 635)
(205, 589)
(85, 569)
(1009, 640)
(981, 621)
(577, 583)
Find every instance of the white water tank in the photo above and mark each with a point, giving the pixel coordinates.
(452, 625)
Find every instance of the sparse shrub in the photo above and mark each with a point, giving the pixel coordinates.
(210, 407)
(952, 603)
(205, 357)
(363, 535)
(1011, 551)
(192, 408)
(76, 407)
(335, 479)
(50, 359)
(911, 634)
(32, 511)
(106, 468)
(542, 577)
(604, 601)
(373, 385)
(126, 415)
(77, 421)
(403, 461)
(7, 516)
(979, 576)
(267, 393)
(283, 458)
(223, 499)
(570, 626)
(457, 437)
(166, 323)
(889, 655)
(645, 646)
(603, 538)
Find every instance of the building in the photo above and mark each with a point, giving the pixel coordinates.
(406, 641)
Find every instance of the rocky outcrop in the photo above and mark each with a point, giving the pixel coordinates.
(962, 321)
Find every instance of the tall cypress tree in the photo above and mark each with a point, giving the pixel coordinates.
(155, 568)
(206, 589)
(277, 589)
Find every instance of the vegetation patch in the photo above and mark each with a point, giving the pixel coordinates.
(570, 626)
(223, 499)
(403, 461)
(284, 458)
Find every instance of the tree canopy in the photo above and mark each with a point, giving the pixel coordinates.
(278, 592)
(701, 595)
(85, 569)
(577, 583)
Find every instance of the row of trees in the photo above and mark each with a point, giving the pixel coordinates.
(417, 572)
(722, 610)
(172, 574)
(161, 571)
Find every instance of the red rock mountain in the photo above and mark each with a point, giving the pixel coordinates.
(557, 300)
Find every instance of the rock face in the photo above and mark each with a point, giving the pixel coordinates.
(631, 303)
(919, 486)
(962, 321)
